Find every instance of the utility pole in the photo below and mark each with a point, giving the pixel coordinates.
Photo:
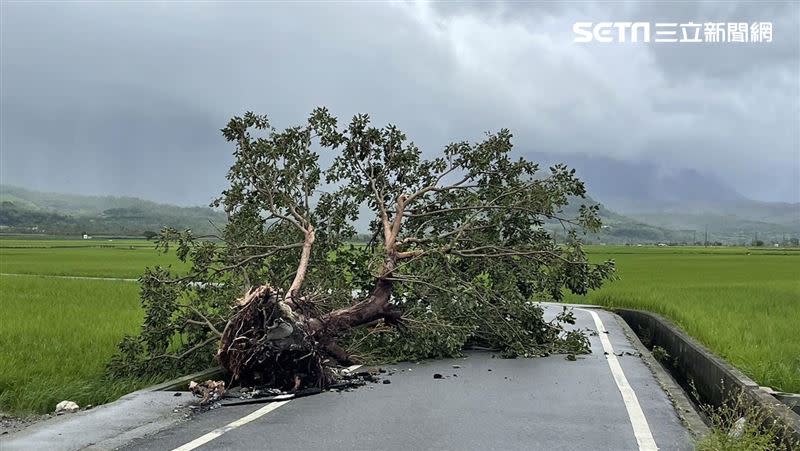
(705, 243)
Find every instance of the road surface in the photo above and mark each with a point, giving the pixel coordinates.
(600, 401)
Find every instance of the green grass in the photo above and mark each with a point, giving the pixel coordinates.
(117, 258)
(56, 337)
(744, 304)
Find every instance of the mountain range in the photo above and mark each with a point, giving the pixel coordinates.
(28, 211)
(639, 203)
(683, 202)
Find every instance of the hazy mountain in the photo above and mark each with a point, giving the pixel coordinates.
(683, 199)
(660, 207)
(24, 210)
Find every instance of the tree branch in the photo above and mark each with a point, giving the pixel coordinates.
(302, 267)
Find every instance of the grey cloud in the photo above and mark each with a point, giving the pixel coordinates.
(131, 96)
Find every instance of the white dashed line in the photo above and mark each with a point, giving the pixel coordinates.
(200, 441)
(641, 430)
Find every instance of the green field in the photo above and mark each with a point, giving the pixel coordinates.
(89, 258)
(744, 304)
(57, 334)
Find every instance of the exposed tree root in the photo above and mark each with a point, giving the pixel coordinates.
(266, 343)
(272, 342)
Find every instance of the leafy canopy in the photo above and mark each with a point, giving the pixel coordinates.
(461, 239)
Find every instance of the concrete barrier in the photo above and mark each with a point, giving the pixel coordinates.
(698, 369)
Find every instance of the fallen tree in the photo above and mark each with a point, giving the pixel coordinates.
(460, 252)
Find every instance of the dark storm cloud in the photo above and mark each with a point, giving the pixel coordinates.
(128, 98)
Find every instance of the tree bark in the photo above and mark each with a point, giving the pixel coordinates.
(302, 267)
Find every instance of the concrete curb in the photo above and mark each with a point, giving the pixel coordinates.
(182, 383)
(109, 426)
(715, 380)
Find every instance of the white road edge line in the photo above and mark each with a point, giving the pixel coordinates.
(202, 440)
(641, 430)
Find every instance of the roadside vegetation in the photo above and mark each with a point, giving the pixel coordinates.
(742, 426)
(744, 304)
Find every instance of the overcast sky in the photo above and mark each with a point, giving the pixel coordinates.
(128, 98)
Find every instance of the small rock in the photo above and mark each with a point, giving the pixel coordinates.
(489, 369)
(438, 376)
(455, 375)
(571, 357)
(387, 381)
(177, 393)
(456, 366)
(66, 407)
(738, 428)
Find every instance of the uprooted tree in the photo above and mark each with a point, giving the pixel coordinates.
(460, 253)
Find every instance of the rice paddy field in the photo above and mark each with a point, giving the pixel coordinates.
(63, 314)
(744, 304)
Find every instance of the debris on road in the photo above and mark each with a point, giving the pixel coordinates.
(66, 407)
(209, 391)
(438, 376)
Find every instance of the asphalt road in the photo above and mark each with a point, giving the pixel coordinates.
(488, 404)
